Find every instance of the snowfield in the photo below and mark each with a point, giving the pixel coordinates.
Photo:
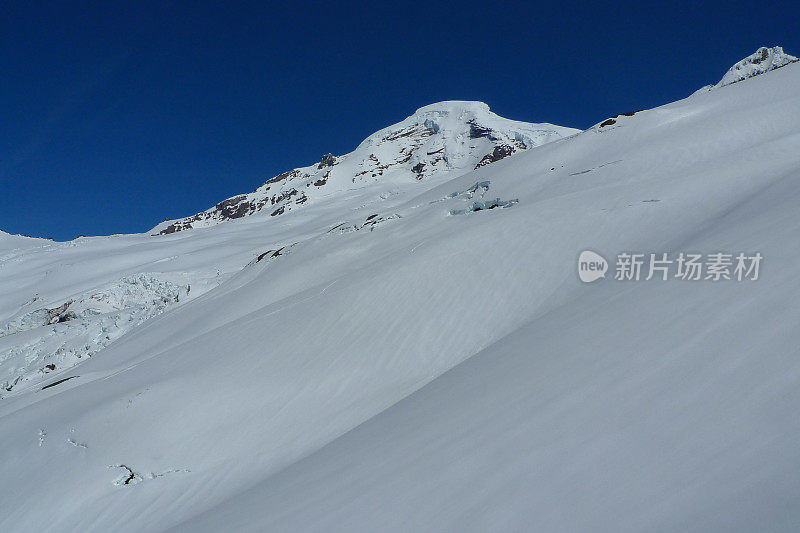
(419, 354)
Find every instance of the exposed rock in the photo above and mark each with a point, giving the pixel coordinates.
(59, 314)
(328, 160)
(497, 154)
(286, 175)
(476, 131)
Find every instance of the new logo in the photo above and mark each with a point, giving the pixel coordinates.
(591, 266)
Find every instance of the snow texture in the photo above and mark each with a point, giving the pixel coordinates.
(369, 362)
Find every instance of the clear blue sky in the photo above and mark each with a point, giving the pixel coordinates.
(117, 115)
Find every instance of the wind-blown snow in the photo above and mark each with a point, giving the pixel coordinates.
(373, 361)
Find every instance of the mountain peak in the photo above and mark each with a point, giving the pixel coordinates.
(763, 60)
(454, 107)
(442, 139)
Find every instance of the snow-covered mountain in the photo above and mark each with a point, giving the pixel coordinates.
(412, 354)
(762, 61)
(442, 140)
(438, 142)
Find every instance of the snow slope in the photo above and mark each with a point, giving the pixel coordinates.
(66, 302)
(418, 361)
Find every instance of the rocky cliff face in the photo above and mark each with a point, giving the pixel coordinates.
(443, 139)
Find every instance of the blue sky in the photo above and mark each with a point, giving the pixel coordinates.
(118, 115)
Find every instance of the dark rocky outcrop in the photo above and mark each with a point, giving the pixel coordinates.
(328, 160)
(497, 154)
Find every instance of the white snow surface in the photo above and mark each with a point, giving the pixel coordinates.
(401, 361)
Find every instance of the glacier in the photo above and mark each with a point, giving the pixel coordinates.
(365, 360)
